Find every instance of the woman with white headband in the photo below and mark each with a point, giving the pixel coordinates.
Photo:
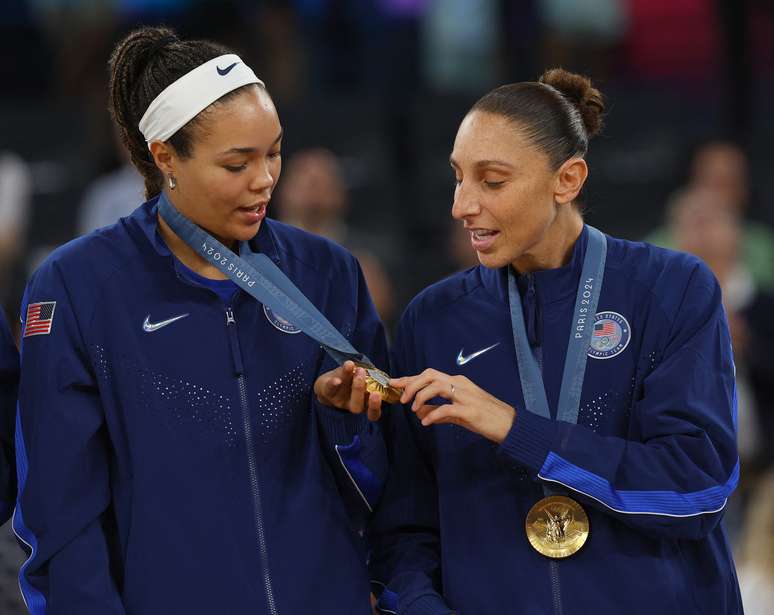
(172, 455)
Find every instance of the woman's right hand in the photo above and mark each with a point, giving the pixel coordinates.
(345, 388)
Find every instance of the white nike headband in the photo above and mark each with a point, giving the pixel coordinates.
(185, 98)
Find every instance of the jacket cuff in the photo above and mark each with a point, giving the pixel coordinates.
(529, 440)
(340, 425)
(429, 604)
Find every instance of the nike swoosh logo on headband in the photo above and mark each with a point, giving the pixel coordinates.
(225, 71)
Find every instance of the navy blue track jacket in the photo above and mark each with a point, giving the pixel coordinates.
(652, 458)
(172, 458)
(9, 380)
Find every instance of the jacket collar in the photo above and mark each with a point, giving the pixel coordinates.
(551, 284)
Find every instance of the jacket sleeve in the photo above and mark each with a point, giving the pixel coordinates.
(405, 539)
(63, 460)
(353, 445)
(673, 473)
(9, 380)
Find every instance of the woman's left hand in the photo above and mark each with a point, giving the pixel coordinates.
(471, 406)
(345, 388)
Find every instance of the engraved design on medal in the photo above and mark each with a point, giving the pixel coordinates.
(557, 526)
(557, 523)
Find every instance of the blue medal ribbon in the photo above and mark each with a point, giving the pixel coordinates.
(587, 298)
(258, 276)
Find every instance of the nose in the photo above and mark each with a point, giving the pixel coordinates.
(265, 176)
(465, 203)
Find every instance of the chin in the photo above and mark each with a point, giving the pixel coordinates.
(245, 233)
(492, 260)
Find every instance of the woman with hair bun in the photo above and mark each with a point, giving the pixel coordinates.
(568, 439)
(174, 454)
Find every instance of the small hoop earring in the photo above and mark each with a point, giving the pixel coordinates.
(172, 182)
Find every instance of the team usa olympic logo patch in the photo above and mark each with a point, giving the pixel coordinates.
(280, 323)
(610, 336)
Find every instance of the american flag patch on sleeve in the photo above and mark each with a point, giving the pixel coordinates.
(40, 317)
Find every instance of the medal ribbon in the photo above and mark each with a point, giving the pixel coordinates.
(589, 289)
(258, 276)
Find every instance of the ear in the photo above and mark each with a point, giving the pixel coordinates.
(164, 156)
(570, 179)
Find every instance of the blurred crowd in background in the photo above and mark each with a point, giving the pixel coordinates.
(371, 92)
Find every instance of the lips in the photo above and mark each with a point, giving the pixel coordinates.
(254, 213)
(482, 239)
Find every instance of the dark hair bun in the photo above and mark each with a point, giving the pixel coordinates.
(579, 91)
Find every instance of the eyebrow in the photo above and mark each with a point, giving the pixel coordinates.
(484, 163)
(250, 150)
(489, 163)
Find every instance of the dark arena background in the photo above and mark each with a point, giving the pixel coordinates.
(370, 94)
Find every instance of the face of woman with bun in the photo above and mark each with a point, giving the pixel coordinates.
(516, 207)
(518, 166)
(226, 182)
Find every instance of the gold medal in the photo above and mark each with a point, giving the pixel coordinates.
(378, 381)
(557, 526)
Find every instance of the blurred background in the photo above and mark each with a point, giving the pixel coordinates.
(371, 92)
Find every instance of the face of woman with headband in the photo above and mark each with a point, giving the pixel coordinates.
(226, 183)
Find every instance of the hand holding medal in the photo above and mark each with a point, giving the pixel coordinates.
(356, 387)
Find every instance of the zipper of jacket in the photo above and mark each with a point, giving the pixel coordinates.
(556, 590)
(533, 327)
(236, 356)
